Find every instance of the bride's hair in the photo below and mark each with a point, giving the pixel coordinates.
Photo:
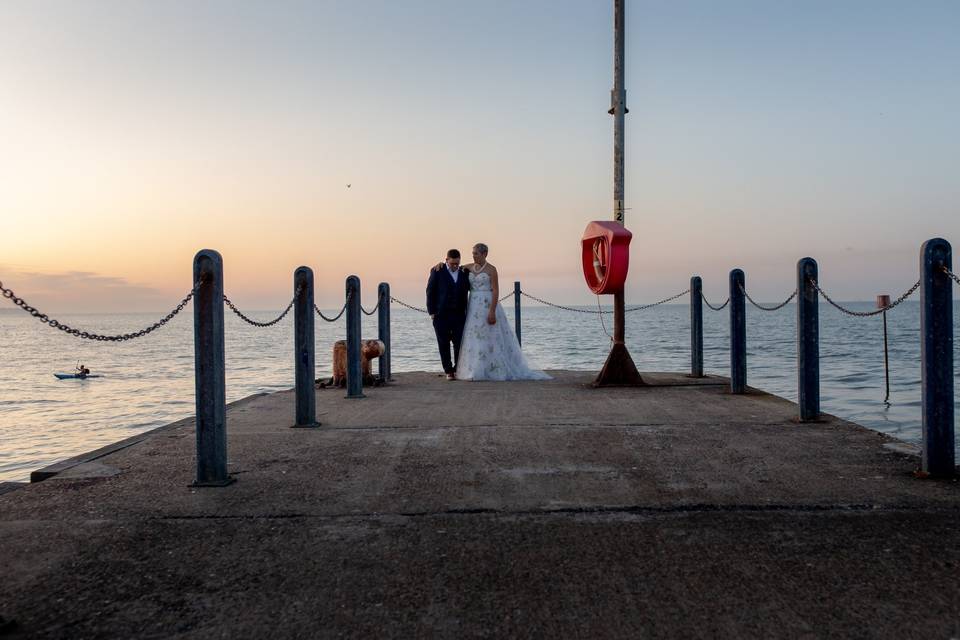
(482, 248)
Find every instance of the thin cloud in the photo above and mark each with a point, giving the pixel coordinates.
(81, 291)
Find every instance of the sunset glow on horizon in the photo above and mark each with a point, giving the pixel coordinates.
(135, 134)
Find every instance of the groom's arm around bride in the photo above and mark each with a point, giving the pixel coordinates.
(446, 304)
(432, 295)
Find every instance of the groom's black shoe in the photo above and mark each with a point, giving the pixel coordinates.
(451, 376)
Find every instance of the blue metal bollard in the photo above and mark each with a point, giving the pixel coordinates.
(696, 327)
(354, 370)
(516, 309)
(936, 358)
(738, 334)
(304, 348)
(383, 330)
(210, 371)
(808, 341)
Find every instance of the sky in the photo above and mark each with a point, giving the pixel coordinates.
(133, 134)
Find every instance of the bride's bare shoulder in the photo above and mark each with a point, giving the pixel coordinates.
(492, 268)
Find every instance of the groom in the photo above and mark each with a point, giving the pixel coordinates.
(447, 304)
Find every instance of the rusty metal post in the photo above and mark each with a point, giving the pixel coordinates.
(383, 330)
(516, 309)
(304, 348)
(619, 369)
(936, 358)
(210, 371)
(883, 301)
(738, 333)
(354, 370)
(808, 341)
(696, 327)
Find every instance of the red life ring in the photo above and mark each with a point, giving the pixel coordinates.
(605, 249)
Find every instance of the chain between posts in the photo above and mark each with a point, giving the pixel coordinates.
(655, 304)
(422, 310)
(255, 323)
(44, 318)
(775, 307)
(334, 318)
(600, 311)
(408, 306)
(718, 308)
(560, 306)
(343, 309)
(951, 274)
(863, 314)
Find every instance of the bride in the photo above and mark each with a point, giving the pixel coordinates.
(489, 349)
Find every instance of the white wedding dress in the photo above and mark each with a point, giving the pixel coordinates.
(490, 351)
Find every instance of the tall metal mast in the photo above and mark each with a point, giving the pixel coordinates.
(618, 107)
(619, 369)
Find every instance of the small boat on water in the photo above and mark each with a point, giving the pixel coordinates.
(80, 372)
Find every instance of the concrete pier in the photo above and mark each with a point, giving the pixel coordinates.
(458, 509)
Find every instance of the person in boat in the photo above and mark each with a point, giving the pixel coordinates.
(82, 371)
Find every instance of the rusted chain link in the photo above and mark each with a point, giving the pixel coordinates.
(255, 323)
(863, 314)
(775, 307)
(719, 308)
(123, 337)
(952, 275)
(600, 311)
(408, 306)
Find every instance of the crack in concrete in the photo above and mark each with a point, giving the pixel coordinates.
(548, 425)
(600, 510)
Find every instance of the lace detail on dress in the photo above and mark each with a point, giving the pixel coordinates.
(480, 282)
(490, 351)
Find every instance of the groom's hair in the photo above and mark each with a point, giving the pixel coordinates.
(453, 253)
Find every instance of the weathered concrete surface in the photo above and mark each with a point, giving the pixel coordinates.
(494, 510)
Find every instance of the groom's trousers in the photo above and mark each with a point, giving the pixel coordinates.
(449, 330)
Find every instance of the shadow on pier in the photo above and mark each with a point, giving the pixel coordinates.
(487, 509)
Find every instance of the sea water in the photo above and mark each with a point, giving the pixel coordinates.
(148, 382)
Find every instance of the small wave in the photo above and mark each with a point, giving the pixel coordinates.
(32, 401)
(849, 378)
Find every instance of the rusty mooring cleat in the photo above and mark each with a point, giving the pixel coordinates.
(619, 370)
(369, 350)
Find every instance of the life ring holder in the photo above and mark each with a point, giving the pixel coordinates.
(605, 248)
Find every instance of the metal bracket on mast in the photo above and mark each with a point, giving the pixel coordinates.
(613, 102)
(619, 370)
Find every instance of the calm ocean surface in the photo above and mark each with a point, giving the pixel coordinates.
(148, 382)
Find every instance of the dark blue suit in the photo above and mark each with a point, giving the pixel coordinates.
(447, 303)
